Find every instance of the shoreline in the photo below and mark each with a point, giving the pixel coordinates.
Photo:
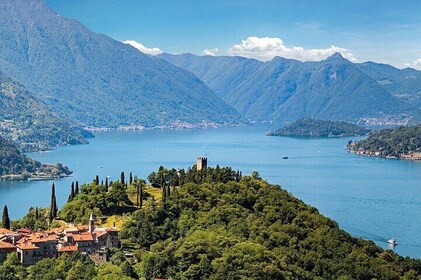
(407, 157)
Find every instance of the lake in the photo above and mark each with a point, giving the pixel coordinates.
(373, 198)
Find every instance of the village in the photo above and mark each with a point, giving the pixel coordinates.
(33, 246)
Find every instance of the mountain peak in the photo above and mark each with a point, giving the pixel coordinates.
(336, 55)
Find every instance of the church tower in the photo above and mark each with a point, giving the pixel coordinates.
(91, 223)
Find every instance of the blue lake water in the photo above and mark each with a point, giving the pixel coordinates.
(372, 198)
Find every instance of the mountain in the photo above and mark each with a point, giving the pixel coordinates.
(221, 73)
(27, 121)
(403, 83)
(307, 127)
(17, 166)
(284, 90)
(95, 80)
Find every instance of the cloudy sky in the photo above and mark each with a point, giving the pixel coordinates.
(384, 31)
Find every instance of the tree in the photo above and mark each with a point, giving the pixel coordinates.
(131, 178)
(97, 180)
(128, 270)
(72, 192)
(6, 220)
(36, 213)
(256, 175)
(77, 188)
(122, 179)
(53, 205)
(106, 184)
(139, 192)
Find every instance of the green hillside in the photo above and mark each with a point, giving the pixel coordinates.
(17, 166)
(318, 128)
(400, 142)
(30, 124)
(218, 224)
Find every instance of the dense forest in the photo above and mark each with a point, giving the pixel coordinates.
(14, 164)
(307, 127)
(395, 142)
(214, 224)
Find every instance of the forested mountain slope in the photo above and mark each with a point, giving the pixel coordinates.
(95, 80)
(27, 121)
(284, 90)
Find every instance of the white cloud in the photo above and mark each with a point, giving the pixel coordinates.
(266, 49)
(211, 52)
(142, 48)
(416, 64)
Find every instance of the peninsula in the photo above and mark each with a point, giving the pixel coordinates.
(402, 142)
(17, 166)
(308, 127)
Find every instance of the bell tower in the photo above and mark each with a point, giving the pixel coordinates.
(91, 223)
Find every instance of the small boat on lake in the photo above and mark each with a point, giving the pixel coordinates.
(285, 157)
(392, 242)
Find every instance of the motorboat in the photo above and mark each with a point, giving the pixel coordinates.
(392, 241)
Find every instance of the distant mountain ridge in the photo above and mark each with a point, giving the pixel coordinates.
(403, 83)
(28, 122)
(284, 90)
(95, 80)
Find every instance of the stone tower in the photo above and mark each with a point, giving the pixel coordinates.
(91, 223)
(202, 163)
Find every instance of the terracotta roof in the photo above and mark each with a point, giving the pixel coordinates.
(27, 246)
(6, 245)
(44, 239)
(25, 230)
(83, 237)
(68, 249)
(72, 229)
(83, 228)
(55, 230)
(5, 231)
(100, 234)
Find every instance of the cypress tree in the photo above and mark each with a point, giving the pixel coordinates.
(72, 192)
(106, 184)
(168, 192)
(36, 213)
(77, 188)
(97, 180)
(122, 179)
(164, 194)
(131, 178)
(6, 220)
(53, 206)
(141, 196)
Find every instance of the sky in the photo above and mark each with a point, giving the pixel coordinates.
(383, 31)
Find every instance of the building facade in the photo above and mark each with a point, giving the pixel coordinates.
(33, 246)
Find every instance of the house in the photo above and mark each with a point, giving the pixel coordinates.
(29, 254)
(33, 246)
(67, 250)
(5, 249)
(84, 242)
